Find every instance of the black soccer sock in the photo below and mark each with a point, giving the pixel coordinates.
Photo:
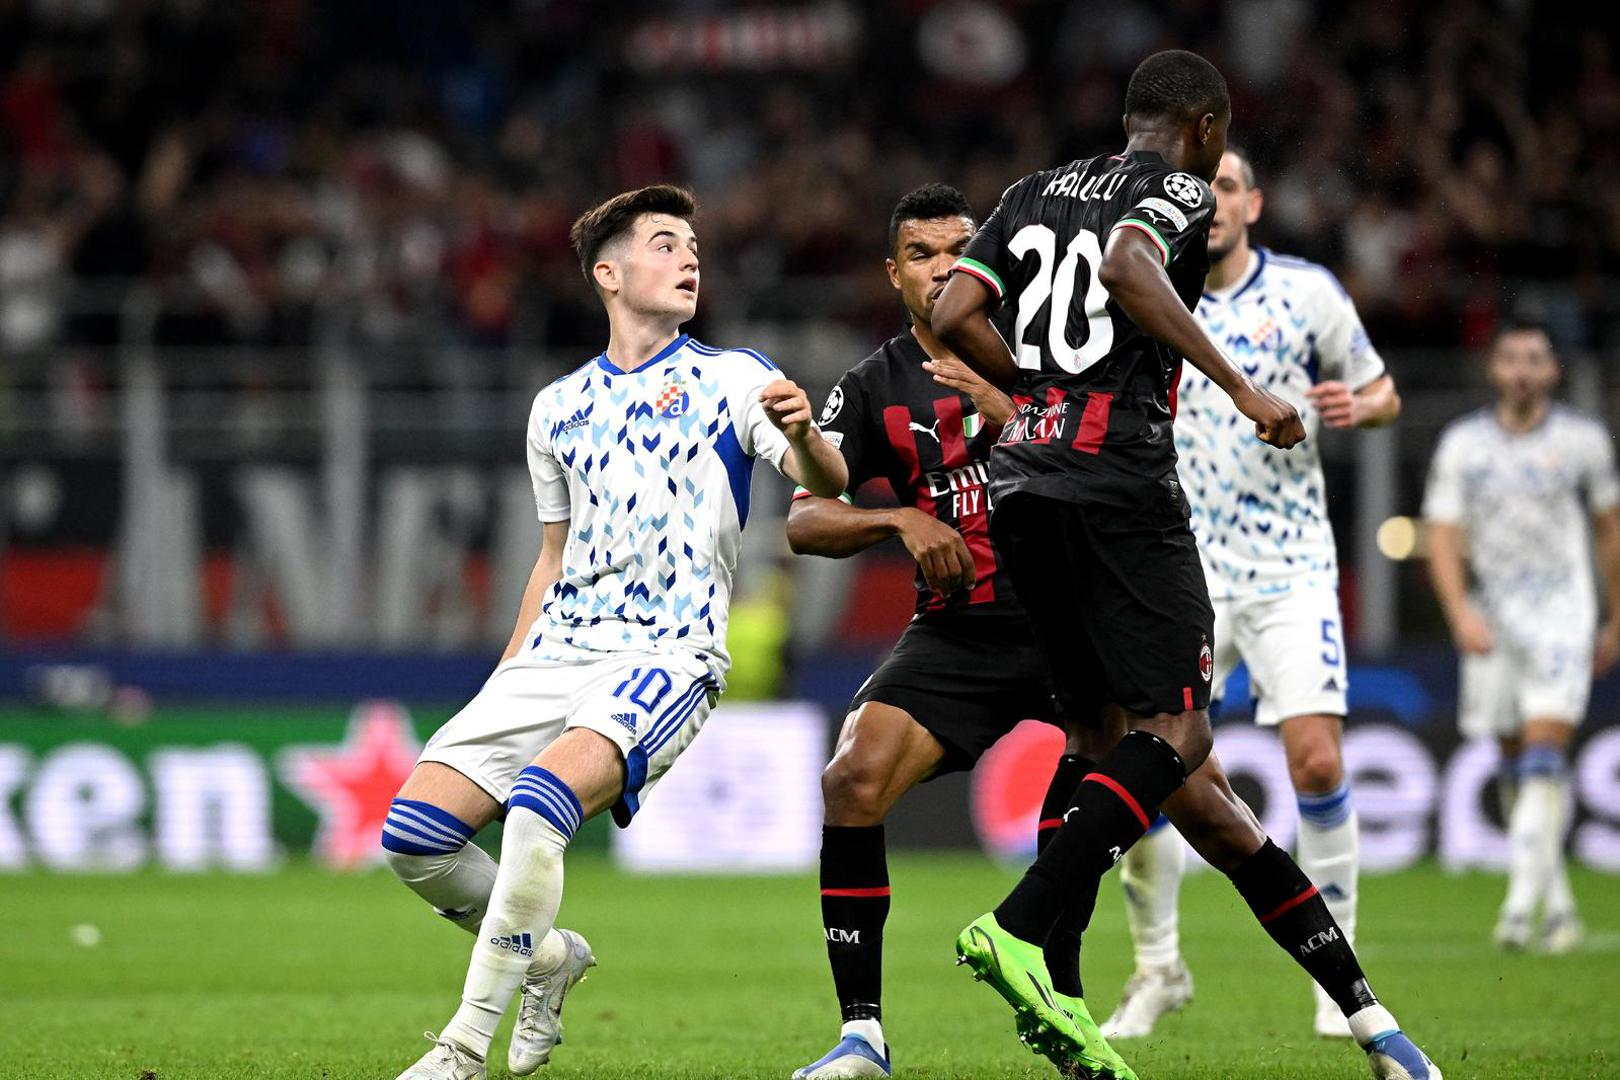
(1297, 918)
(1063, 943)
(854, 906)
(1113, 806)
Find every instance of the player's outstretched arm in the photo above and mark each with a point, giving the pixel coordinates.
(811, 461)
(833, 528)
(547, 569)
(961, 320)
(1132, 271)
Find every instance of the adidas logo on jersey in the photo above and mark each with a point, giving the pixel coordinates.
(625, 719)
(521, 944)
(580, 418)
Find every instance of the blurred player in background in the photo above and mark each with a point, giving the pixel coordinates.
(619, 648)
(1260, 516)
(1102, 260)
(966, 670)
(1518, 493)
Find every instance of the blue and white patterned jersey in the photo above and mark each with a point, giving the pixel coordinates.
(1260, 514)
(1525, 501)
(651, 469)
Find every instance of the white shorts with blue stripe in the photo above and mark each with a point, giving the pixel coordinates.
(651, 705)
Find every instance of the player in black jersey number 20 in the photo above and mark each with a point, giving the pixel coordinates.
(966, 670)
(1101, 261)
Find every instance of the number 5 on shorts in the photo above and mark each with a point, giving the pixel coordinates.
(1332, 656)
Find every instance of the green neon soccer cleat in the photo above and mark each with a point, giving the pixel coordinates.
(1016, 970)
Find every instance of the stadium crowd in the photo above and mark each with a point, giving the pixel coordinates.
(415, 167)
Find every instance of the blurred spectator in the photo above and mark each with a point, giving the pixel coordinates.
(263, 164)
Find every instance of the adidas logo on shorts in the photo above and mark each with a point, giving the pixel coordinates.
(626, 719)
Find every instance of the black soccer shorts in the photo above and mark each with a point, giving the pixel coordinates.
(967, 677)
(1116, 596)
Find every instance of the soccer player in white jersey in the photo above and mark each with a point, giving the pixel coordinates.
(641, 462)
(1260, 516)
(1510, 494)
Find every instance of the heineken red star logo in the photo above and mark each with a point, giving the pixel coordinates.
(351, 785)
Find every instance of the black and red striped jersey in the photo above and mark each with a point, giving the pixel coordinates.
(892, 421)
(1095, 394)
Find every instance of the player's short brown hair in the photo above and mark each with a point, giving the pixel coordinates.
(602, 224)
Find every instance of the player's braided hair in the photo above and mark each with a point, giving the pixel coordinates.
(600, 225)
(925, 204)
(1176, 84)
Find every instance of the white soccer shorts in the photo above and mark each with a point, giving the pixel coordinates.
(650, 705)
(1293, 644)
(1515, 682)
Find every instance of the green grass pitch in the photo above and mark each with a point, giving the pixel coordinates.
(308, 974)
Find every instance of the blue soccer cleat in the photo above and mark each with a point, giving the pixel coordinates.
(853, 1056)
(1392, 1056)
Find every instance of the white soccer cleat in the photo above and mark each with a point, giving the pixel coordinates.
(1562, 934)
(1151, 994)
(1392, 1056)
(540, 1002)
(1512, 933)
(852, 1057)
(1330, 1022)
(446, 1061)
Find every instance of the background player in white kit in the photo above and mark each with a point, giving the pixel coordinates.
(641, 462)
(1260, 515)
(1510, 493)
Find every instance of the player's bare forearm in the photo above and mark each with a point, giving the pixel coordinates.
(1133, 274)
(547, 569)
(1606, 541)
(1378, 404)
(816, 465)
(836, 530)
(1447, 567)
(961, 320)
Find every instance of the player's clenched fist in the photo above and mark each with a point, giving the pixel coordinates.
(1275, 421)
(788, 408)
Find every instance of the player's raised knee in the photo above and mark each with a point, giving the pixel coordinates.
(417, 834)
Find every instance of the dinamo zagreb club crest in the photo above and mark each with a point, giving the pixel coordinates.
(672, 399)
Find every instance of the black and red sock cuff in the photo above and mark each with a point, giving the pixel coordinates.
(1142, 771)
(1071, 768)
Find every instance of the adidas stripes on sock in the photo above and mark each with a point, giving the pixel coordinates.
(1330, 852)
(542, 816)
(428, 849)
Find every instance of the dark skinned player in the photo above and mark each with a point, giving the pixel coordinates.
(1102, 260)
